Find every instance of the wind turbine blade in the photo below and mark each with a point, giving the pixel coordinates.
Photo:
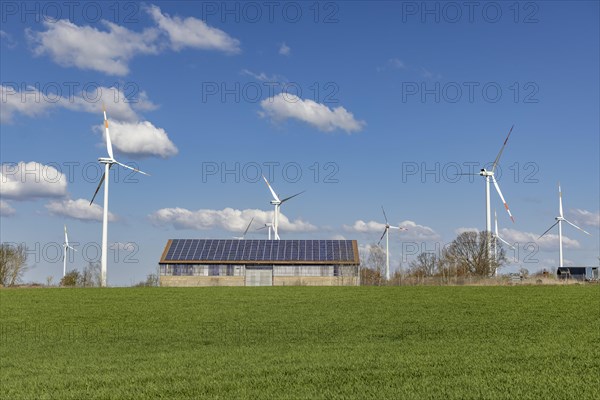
(271, 189)
(382, 236)
(501, 150)
(248, 227)
(108, 142)
(131, 168)
(66, 237)
(384, 216)
(575, 226)
(98, 188)
(502, 197)
(505, 242)
(496, 223)
(548, 230)
(291, 197)
(72, 248)
(560, 208)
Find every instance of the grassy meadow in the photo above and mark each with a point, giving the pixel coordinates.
(521, 342)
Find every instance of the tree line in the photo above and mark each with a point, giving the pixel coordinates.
(13, 265)
(470, 254)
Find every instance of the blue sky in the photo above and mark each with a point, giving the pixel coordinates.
(361, 98)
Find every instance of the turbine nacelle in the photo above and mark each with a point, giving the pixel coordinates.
(485, 172)
(106, 160)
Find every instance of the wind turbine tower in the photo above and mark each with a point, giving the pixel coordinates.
(108, 163)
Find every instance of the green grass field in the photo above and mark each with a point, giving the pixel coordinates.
(524, 342)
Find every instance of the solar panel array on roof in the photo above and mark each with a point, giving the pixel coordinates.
(228, 250)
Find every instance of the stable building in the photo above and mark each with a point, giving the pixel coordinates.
(232, 262)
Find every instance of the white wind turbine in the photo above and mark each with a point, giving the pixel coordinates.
(269, 226)
(386, 233)
(559, 221)
(65, 247)
(277, 203)
(246, 231)
(108, 163)
(489, 177)
(496, 238)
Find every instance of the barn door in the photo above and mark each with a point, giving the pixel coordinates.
(259, 275)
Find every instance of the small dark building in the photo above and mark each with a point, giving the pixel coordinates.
(578, 273)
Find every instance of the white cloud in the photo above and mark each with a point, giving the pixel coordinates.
(425, 73)
(5, 209)
(548, 242)
(392, 63)
(193, 32)
(285, 50)
(229, 219)
(413, 231)
(28, 102)
(585, 217)
(86, 47)
(26, 181)
(139, 139)
(129, 135)
(284, 105)
(263, 77)
(361, 226)
(78, 209)
(8, 39)
(110, 50)
(463, 229)
(33, 103)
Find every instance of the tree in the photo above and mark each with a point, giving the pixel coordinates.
(13, 265)
(151, 281)
(71, 278)
(426, 264)
(524, 273)
(470, 254)
(371, 272)
(91, 276)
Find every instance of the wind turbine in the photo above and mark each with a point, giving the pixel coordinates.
(496, 238)
(386, 233)
(489, 177)
(246, 231)
(277, 203)
(268, 226)
(559, 221)
(65, 247)
(108, 163)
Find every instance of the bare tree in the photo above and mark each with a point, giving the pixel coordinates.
(372, 270)
(13, 263)
(426, 264)
(91, 276)
(469, 254)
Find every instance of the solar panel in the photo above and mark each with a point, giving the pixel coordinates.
(282, 251)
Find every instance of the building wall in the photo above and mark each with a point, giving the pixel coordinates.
(234, 275)
(315, 281)
(183, 280)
